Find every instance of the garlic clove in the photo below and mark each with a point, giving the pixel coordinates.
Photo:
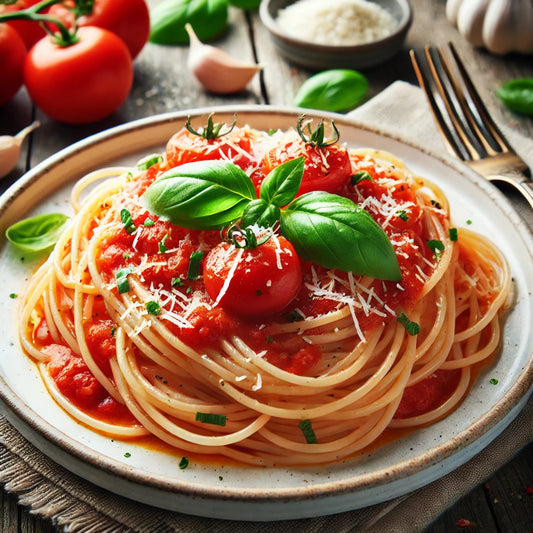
(10, 149)
(216, 70)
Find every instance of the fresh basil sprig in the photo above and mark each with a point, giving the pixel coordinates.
(200, 195)
(209, 18)
(332, 90)
(325, 228)
(38, 233)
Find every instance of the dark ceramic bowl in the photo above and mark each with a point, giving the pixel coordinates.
(319, 56)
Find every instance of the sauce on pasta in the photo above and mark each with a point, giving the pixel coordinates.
(131, 344)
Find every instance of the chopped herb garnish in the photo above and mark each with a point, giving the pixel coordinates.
(122, 279)
(162, 247)
(411, 327)
(13, 295)
(436, 246)
(148, 222)
(129, 225)
(452, 232)
(403, 215)
(211, 418)
(129, 176)
(127, 455)
(176, 282)
(436, 204)
(194, 265)
(184, 463)
(294, 316)
(360, 176)
(149, 161)
(270, 338)
(307, 430)
(113, 331)
(258, 292)
(493, 381)
(126, 255)
(153, 308)
(469, 222)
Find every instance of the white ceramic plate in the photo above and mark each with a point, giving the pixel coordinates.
(279, 493)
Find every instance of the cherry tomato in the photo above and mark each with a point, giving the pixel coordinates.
(326, 168)
(83, 82)
(30, 31)
(263, 281)
(184, 147)
(12, 53)
(129, 19)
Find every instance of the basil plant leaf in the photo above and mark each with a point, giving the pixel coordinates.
(38, 233)
(517, 95)
(336, 233)
(260, 212)
(200, 195)
(208, 18)
(332, 90)
(282, 183)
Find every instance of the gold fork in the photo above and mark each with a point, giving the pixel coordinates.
(469, 133)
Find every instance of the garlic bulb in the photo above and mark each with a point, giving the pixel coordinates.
(10, 149)
(500, 26)
(216, 70)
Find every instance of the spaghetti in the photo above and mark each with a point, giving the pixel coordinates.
(130, 343)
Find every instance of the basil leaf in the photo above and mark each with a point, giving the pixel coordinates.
(37, 234)
(208, 18)
(200, 195)
(332, 90)
(336, 233)
(260, 212)
(517, 95)
(245, 4)
(282, 183)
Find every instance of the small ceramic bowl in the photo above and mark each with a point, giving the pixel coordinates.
(322, 56)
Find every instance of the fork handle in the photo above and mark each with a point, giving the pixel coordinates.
(520, 182)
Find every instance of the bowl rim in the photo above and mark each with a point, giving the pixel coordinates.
(403, 26)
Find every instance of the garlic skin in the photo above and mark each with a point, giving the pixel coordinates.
(10, 149)
(216, 70)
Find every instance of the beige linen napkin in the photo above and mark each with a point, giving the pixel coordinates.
(78, 506)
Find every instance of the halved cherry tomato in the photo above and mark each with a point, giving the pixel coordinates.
(260, 281)
(327, 168)
(12, 53)
(83, 82)
(129, 19)
(30, 31)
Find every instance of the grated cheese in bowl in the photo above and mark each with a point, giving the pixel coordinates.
(336, 22)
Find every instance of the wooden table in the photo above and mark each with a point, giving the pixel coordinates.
(162, 83)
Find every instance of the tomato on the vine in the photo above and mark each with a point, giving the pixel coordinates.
(82, 82)
(12, 53)
(327, 168)
(129, 19)
(30, 31)
(253, 282)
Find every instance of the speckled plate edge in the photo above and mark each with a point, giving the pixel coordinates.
(256, 504)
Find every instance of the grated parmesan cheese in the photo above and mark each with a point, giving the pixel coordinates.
(336, 22)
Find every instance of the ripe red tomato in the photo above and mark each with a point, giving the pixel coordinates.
(129, 19)
(326, 168)
(261, 281)
(30, 31)
(12, 53)
(81, 83)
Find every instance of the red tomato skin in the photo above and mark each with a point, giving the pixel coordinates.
(81, 83)
(129, 19)
(30, 31)
(258, 287)
(12, 54)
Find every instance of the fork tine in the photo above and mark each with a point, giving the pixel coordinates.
(484, 115)
(447, 135)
